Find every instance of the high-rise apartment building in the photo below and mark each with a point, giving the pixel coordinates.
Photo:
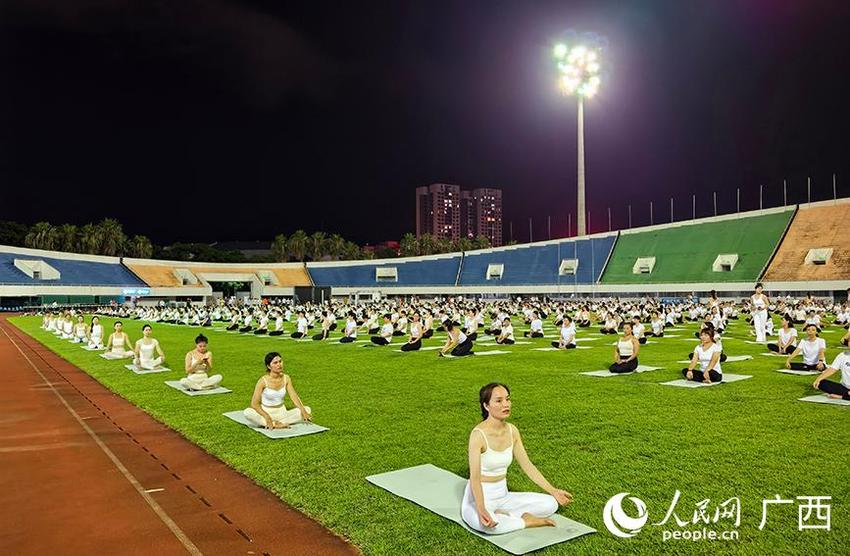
(447, 212)
(438, 210)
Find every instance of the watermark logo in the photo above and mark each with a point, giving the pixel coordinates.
(618, 521)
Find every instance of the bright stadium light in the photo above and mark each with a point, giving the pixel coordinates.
(579, 68)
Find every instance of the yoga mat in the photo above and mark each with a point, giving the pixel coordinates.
(139, 371)
(727, 377)
(493, 344)
(796, 372)
(298, 429)
(771, 354)
(559, 349)
(730, 359)
(426, 348)
(87, 348)
(108, 358)
(177, 386)
(441, 492)
(607, 373)
(476, 353)
(822, 398)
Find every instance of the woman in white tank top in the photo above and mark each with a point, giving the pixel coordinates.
(118, 343)
(626, 352)
(149, 355)
(267, 407)
(198, 365)
(95, 334)
(759, 311)
(487, 504)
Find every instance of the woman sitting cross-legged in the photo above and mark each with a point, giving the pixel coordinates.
(488, 506)
(836, 389)
(267, 407)
(626, 352)
(787, 338)
(812, 348)
(707, 356)
(198, 365)
(567, 337)
(414, 342)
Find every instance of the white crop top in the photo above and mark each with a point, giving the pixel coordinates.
(271, 397)
(625, 348)
(495, 463)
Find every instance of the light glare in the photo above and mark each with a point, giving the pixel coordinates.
(579, 68)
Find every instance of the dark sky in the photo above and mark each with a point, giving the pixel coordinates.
(214, 120)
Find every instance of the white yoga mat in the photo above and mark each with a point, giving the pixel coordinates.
(796, 372)
(140, 371)
(730, 359)
(493, 344)
(109, 357)
(823, 398)
(771, 354)
(298, 429)
(550, 348)
(727, 377)
(177, 386)
(87, 348)
(604, 373)
(441, 492)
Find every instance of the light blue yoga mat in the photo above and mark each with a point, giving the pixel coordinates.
(441, 492)
(822, 398)
(177, 385)
(727, 377)
(298, 429)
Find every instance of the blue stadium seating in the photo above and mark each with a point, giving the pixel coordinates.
(533, 264)
(440, 271)
(72, 272)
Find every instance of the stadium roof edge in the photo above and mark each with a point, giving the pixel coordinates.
(41, 253)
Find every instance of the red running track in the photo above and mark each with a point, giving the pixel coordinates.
(83, 471)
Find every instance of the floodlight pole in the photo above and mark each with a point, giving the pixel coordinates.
(582, 223)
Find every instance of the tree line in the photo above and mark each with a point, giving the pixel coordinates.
(107, 237)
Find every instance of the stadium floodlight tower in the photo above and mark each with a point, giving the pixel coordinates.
(579, 68)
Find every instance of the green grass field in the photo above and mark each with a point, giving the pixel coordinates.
(595, 437)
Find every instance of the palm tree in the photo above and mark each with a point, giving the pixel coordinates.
(297, 245)
(139, 247)
(316, 245)
(41, 236)
(352, 251)
(444, 245)
(112, 237)
(408, 245)
(335, 246)
(463, 244)
(88, 239)
(67, 238)
(427, 244)
(279, 248)
(481, 242)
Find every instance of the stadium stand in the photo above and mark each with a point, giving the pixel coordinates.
(175, 274)
(432, 270)
(550, 262)
(32, 267)
(816, 247)
(731, 248)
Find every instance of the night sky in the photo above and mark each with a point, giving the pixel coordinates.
(206, 121)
